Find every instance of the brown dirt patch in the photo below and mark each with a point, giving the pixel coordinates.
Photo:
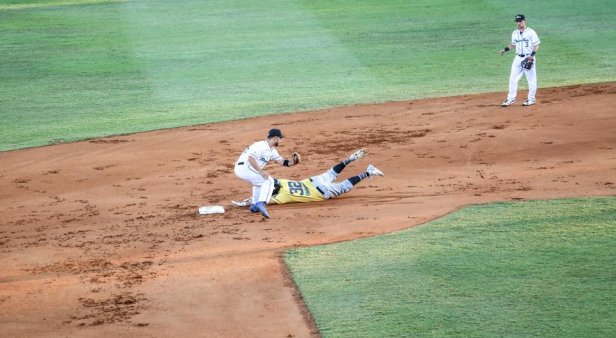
(102, 237)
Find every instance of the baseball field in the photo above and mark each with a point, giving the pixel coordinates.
(120, 118)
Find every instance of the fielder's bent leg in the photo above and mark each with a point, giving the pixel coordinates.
(266, 190)
(254, 178)
(256, 191)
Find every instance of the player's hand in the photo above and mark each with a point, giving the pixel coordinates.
(530, 58)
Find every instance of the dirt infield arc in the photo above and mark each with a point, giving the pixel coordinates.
(101, 237)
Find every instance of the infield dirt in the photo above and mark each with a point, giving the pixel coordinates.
(102, 237)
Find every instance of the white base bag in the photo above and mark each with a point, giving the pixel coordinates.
(211, 209)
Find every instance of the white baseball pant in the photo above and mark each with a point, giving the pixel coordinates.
(261, 188)
(325, 182)
(516, 74)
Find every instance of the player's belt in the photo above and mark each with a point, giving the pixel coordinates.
(318, 189)
(240, 163)
(523, 55)
(321, 191)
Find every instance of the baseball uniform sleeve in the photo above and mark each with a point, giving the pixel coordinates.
(534, 38)
(276, 156)
(257, 150)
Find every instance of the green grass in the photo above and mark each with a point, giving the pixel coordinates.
(541, 268)
(72, 69)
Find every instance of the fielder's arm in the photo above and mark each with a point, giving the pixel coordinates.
(255, 165)
(506, 49)
(531, 57)
(535, 48)
(290, 162)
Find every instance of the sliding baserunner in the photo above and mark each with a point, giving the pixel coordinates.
(321, 187)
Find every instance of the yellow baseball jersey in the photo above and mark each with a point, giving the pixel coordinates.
(294, 191)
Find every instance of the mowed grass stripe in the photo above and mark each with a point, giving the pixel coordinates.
(90, 68)
(540, 268)
(26, 4)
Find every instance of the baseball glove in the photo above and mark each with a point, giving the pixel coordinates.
(528, 63)
(296, 158)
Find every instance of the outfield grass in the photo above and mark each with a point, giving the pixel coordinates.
(73, 69)
(541, 268)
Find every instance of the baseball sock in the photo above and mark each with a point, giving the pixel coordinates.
(347, 161)
(338, 168)
(356, 179)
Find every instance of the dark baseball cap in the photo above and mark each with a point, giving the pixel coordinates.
(274, 132)
(520, 17)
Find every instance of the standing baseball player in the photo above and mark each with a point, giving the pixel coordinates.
(251, 163)
(526, 44)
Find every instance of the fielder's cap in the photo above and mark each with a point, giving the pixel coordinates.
(274, 132)
(520, 17)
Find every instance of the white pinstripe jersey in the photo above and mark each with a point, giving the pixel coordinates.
(262, 152)
(524, 41)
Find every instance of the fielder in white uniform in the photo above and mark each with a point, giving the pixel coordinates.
(526, 44)
(250, 165)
